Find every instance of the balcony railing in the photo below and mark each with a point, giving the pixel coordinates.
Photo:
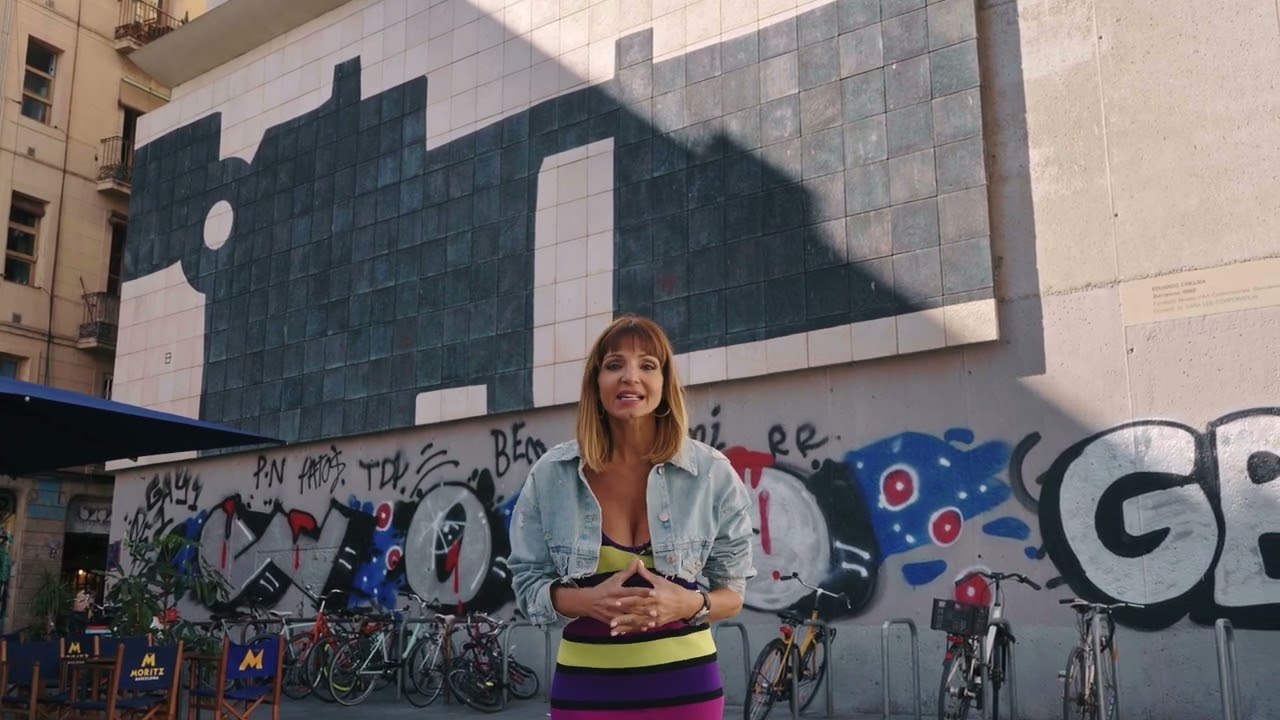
(141, 22)
(116, 158)
(101, 321)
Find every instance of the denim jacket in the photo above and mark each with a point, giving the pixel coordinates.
(698, 524)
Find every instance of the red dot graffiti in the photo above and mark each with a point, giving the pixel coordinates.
(898, 487)
(945, 525)
(973, 590)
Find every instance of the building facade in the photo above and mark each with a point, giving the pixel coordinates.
(955, 285)
(67, 135)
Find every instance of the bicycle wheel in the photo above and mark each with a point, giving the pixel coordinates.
(1076, 704)
(996, 672)
(426, 672)
(318, 660)
(522, 680)
(294, 682)
(813, 666)
(1108, 687)
(355, 669)
(474, 688)
(767, 681)
(955, 696)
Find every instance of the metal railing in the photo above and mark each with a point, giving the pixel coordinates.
(547, 660)
(1224, 636)
(825, 631)
(116, 159)
(101, 317)
(915, 662)
(746, 647)
(1011, 680)
(143, 22)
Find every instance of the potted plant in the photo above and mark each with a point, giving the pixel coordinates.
(49, 606)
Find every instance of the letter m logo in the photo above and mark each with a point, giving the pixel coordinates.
(149, 660)
(74, 649)
(252, 660)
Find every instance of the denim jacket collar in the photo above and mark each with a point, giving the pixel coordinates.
(569, 451)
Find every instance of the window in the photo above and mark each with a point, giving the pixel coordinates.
(24, 228)
(107, 381)
(37, 84)
(115, 262)
(9, 366)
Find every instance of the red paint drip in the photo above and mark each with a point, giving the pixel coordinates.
(302, 522)
(223, 561)
(297, 557)
(451, 564)
(749, 464)
(766, 542)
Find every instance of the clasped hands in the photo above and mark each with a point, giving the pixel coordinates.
(632, 609)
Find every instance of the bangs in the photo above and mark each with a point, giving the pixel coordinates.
(638, 333)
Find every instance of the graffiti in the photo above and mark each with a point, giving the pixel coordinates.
(709, 433)
(323, 471)
(166, 496)
(269, 470)
(1181, 522)
(806, 440)
(510, 448)
(386, 474)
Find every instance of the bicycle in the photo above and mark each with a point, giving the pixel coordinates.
(1090, 689)
(363, 661)
(978, 641)
(771, 676)
(475, 674)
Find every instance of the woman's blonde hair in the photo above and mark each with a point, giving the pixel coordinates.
(594, 440)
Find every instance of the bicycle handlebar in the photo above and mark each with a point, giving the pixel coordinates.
(839, 596)
(1081, 602)
(999, 577)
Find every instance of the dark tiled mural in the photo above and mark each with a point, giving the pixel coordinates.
(825, 170)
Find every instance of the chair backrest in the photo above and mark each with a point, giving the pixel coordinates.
(256, 660)
(145, 668)
(22, 657)
(107, 644)
(79, 647)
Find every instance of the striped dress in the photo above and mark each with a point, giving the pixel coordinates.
(668, 673)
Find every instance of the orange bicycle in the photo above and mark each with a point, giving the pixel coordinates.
(771, 677)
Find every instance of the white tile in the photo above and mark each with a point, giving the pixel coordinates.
(544, 345)
(571, 300)
(489, 65)
(632, 13)
(600, 253)
(489, 100)
(874, 338)
(370, 52)
(707, 366)
(595, 325)
(465, 12)
(544, 305)
(516, 55)
(769, 8)
(745, 360)
(441, 19)
(393, 38)
(575, 30)
(489, 33)
(602, 59)
(439, 55)
(571, 218)
(392, 72)
(417, 28)
(516, 90)
(463, 110)
(545, 40)
(922, 330)
(575, 67)
(373, 18)
(545, 80)
(464, 39)
(790, 352)
(971, 322)
(544, 226)
(542, 12)
(548, 186)
(663, 7)
(544, 266)
(415, 60)
(439, 117)
(453, 403)
(702, 21)
(477, 400)
(603, 20)
(465, 74)
(426, 408)
(572, 180)
(668, 33)
(571, 259)
(518, 17)
(571, 339)
(568, 384)
(830, 346)
(738, 16)
(544, 385)
(599, 293)
(681, 364)
(600, 213)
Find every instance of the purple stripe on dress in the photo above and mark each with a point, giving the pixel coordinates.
(706, 710)
(592, 628)
(588, 687)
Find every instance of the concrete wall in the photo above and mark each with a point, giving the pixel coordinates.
(1119, 439)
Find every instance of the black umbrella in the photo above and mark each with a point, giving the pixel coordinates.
(46, 428)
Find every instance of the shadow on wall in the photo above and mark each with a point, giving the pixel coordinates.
(784, 181)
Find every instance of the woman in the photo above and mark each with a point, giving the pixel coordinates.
(611, 533)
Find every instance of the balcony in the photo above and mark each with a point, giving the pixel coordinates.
(115, 173)
(141, 23)
(101, 321)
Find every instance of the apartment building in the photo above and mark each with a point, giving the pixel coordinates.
(72, 99)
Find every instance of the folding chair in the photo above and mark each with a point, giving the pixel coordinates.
(26, 670)
(248, 675)
(144, 685)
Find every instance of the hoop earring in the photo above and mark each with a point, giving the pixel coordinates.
(665, 414)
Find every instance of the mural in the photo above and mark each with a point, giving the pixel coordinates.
(791, 179)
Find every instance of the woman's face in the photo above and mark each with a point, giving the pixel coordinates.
(630, 383)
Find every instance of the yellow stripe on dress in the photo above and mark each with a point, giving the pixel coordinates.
(659, 651)
(612, 559)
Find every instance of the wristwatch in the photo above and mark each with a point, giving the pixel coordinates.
(703, 613)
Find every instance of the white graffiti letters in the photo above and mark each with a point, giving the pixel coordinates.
(1250, 510)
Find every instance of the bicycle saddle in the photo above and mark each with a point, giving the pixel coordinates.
(791, 618)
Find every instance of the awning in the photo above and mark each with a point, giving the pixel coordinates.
(46, 428)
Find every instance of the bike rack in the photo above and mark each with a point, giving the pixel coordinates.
(1225, 640)
(795, 670)
(746, 647)
(506, 657)
(915, 662)
(401, 634)
(1010, 681)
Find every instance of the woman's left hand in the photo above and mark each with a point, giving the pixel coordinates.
(667, 603)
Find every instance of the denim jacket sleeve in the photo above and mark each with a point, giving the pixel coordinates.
(730, 564)
(532, 571)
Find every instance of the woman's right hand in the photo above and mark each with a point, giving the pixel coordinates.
(603, 602)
